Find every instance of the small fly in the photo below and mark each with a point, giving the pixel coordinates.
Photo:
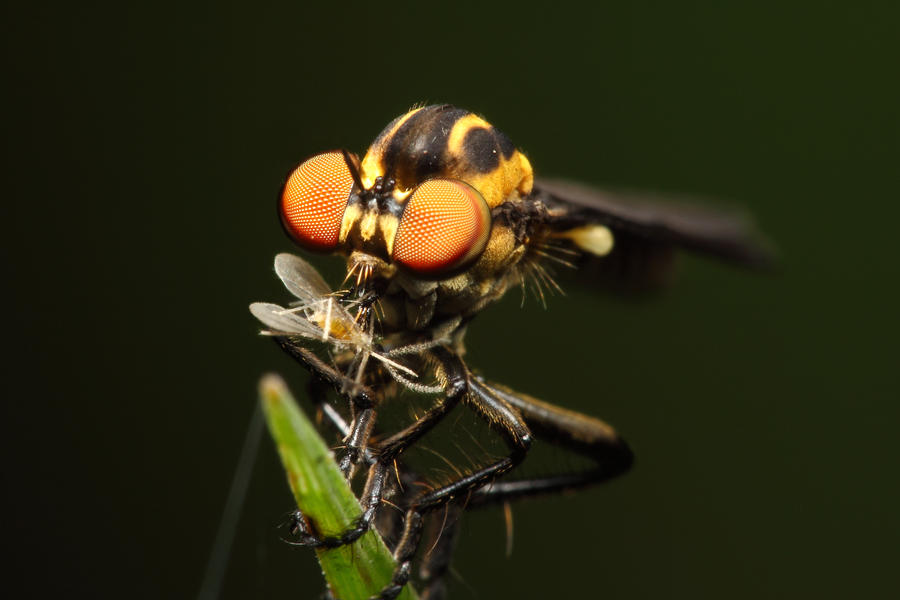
(439, 219)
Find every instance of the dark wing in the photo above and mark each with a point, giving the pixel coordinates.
(646, 230)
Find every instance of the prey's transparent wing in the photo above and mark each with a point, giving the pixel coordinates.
(318, 314)
(321, 316)
(303, 321)
(300, 278)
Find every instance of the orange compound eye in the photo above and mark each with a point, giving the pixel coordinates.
(314, 199)
(445, 225)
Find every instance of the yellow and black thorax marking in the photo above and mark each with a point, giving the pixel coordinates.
(443, 141)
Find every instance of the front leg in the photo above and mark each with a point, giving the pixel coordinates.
(361, 398)
(436, 562)
(504, 419)
(453, 372)
(567, 429)
(305, 535)
(357, 440)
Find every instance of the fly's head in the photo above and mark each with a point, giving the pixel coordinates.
(431, 219)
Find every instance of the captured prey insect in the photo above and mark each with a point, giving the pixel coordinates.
(439, 219)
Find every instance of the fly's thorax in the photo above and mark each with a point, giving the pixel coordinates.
(443, 141)
(486, 280)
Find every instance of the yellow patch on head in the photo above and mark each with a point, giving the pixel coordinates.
(388, 224)
(368, 224)
(351, 216)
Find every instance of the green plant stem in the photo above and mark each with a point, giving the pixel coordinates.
(354, 572)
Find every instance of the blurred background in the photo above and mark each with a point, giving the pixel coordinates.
(145, 146)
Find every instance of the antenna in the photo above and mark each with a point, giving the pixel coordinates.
(354, 170)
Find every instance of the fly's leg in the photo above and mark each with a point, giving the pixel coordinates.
(317, 390)
(452, 371)
(297, 524)
(437, 559)
(579, 433)
(370, 499)
(318, 395)
(357, 435)
(406, 549)
(358, 440)
(454, 374)
(501, 417)
(360, 397)
(374, 490)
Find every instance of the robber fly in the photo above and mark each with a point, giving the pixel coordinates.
(440, 219)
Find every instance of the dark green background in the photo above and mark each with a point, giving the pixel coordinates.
(145, 145)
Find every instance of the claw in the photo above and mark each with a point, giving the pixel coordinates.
(299, 528)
